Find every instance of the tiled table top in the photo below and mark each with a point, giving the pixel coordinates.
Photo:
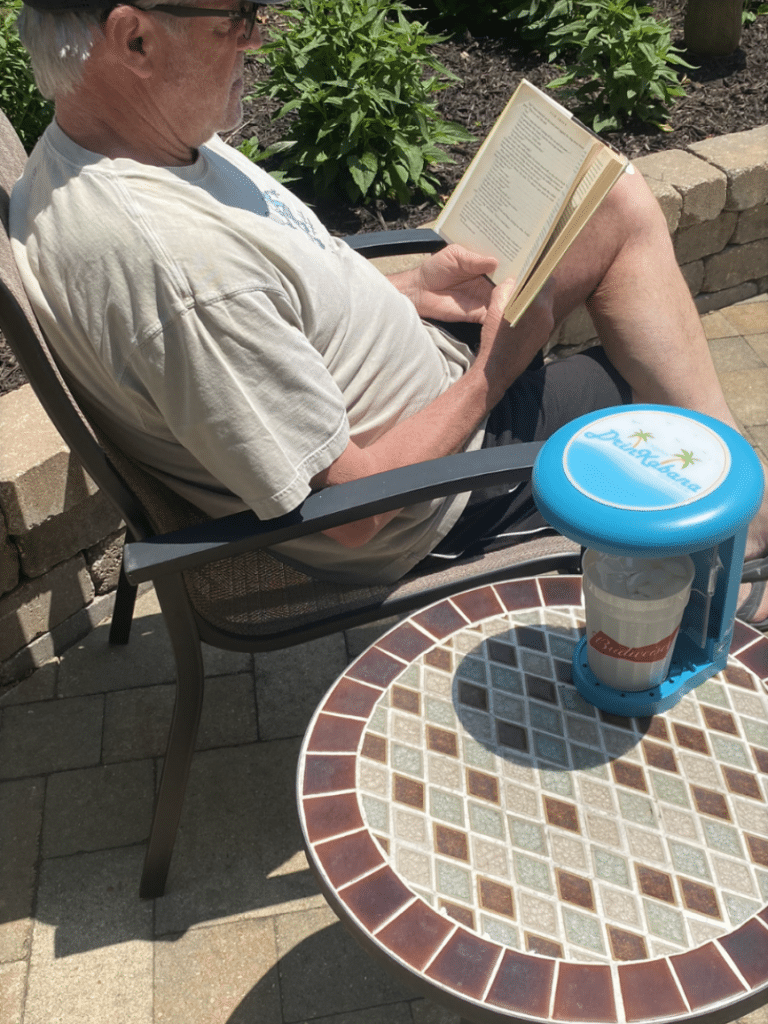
(517, 853)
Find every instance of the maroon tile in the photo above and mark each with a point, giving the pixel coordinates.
(348, 857)
(405, 700)
(328, 816)
(374, 747)
(658, 756)
(743, 635)
(523, 984)
(465, 963)
(484, 787)
(461, 914)
(575, 889)
(519, 594)
(630, 775)
(657, 884)
(504, 654)
(375, 898)
(719, 720)
(473, 696)
(743, 783)
(709, 802)
(451, 843)
(758, 850)
(761, 759)
(383, 843)
(626, 945)
(584, 992)
(618, 720)
(657, 728)
(478, 604)
(496, 897)
(561, 814)
(705, 977)
(691, 738)
(544, 947)
(700, 898)
(441, 741)
(558, 590)
(541, 689)
(415, 934)
(405, 642)
(351, 698)
(408, 791)
(737, 676)
(331, 733)
(439, 658)
(440, 620)
(326, 773)
(649, 991)
(511, 736)
(375, 667)
(755, 658)
(748, 948)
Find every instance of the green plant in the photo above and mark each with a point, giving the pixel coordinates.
(359, 80)
(621, 65)
(20, 100)
(752, 10)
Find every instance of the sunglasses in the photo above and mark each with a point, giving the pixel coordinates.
(242, 18)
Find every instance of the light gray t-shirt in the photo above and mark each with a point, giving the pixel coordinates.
(224, 338)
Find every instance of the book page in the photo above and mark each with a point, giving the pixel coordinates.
(514, 190)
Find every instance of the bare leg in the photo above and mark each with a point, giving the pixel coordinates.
(624, 267)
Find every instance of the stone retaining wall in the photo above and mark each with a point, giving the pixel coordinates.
(60, 539)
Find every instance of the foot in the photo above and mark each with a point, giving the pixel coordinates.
(749, 614)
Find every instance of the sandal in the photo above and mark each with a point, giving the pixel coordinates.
(755, 569)
(752, 603)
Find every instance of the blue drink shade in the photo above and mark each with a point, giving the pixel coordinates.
(655, 481)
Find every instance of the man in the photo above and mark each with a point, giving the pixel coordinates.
(234, 347)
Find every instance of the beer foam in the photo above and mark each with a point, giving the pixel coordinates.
(639, 578)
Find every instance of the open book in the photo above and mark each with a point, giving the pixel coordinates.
(531, 188)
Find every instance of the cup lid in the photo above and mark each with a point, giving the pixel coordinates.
(647, 479)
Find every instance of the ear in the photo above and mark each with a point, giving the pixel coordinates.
(130, 38)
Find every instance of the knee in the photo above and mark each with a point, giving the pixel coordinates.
(632, 205)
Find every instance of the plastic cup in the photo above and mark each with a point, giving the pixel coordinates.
(633, 607)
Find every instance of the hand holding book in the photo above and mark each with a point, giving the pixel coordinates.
(531, 188)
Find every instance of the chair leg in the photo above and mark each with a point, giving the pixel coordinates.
(181, 737)
(122, 614)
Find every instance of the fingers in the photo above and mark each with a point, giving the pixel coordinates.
(494, 315)
(471, 263)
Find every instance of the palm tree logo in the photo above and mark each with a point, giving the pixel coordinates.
(686, 458)
(641, 436)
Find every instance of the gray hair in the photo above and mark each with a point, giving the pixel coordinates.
(59, 43)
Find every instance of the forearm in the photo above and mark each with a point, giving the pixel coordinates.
(441, 428)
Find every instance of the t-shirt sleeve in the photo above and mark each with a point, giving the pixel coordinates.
(242, 389)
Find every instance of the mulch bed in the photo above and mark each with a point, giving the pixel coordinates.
(724, 95)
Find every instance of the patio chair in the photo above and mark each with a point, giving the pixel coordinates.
(215, 580)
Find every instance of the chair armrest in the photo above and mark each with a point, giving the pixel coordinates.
(395, 243)
(233, 535)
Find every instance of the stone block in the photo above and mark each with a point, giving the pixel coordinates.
(39, 477)
(693, 275)
(9, 560)
(63, 536)
(751, 225)
(706, 302)
(743, 157)
(735, 265)
(668, 198)
(104, 560)
(701, 240)
(39, 605)
(701, 187)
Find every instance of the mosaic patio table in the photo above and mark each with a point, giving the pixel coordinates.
(517, 854)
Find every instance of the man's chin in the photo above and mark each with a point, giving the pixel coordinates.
(233, 119)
